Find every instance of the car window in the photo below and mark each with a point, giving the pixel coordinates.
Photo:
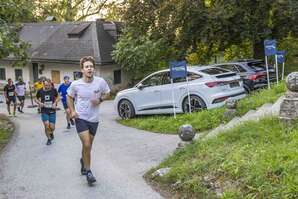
(191, 76)
(214, 71)
(229, 67)
(154, 80)
(166, 79)
(240, 69)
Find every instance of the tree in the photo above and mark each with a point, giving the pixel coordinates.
(139, 57)
(12, 13)
(70, 10)
(185, 24)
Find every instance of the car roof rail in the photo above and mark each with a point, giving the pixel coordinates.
(247, 60)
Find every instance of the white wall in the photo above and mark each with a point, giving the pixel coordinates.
(10, 72)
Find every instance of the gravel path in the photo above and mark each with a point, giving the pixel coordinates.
(121, 155)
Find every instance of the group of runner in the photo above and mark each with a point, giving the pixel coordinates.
(80, 99)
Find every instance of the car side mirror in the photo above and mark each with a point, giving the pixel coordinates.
(141, 86)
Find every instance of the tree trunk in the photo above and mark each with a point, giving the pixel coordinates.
(258, 48)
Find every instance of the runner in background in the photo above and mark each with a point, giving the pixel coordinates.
(62, 90)
(21, 91)
(10, 96)
(47, 98)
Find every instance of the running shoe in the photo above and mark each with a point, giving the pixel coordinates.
(49, 142)
(19, 109)
(83, 170)
(90, 178)
(68, 126)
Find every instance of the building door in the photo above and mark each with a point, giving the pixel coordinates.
(35, 71)
(56, 76)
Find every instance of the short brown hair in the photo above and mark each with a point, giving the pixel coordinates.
(85, 59)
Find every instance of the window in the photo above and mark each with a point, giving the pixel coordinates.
(2, 74)
(229, 67)
(191, 77)
(166, 79)
(240, 69)
(117, 77)
(18, 73)
(214, 71)
(77, 75)
(154, 80)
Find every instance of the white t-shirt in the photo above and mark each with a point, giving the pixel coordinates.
(20, 89)
(83, 92)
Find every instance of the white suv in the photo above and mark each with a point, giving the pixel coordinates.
(209, 87)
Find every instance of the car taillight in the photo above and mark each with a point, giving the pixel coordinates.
(256, 76)
(213, 84)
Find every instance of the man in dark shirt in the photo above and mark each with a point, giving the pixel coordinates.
(10, 96)
(47, 98)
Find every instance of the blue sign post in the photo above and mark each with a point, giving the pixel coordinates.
(281, 59)
(270, 49)
(178, 69)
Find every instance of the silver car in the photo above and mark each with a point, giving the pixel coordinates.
(209, 87)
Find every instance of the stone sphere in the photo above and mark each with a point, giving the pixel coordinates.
(231, 104)
(186, 133)
(292, 81)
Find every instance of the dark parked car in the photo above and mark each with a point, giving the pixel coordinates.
(253, 73)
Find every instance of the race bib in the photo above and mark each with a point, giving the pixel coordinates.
(48, 104)
(10, 94)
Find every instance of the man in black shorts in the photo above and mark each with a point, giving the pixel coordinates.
(47, 98)
(10, 96)
(21, 90)
(88, 93)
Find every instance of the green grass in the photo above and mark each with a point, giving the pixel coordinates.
(207, 119)
(5, 133)
(254, 160)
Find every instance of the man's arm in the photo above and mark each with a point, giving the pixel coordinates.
(70, 104)
(5, 93)
(37, 99)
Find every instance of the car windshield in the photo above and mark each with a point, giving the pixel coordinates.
(214, 71)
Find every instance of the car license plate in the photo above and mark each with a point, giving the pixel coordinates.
(234, 84)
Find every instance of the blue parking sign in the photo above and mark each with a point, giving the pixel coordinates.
(270, 47)
(281, 56)
(178, 69)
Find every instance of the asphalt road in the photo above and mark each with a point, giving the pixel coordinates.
(121, 155)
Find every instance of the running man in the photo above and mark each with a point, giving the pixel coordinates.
(10, 96)
(21, 90)
(62, 90)
(47, 98)
(87, 93)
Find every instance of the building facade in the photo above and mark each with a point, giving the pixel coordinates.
(56, 48)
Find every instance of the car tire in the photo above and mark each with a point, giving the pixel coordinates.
(126, 109)
(197, 104)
